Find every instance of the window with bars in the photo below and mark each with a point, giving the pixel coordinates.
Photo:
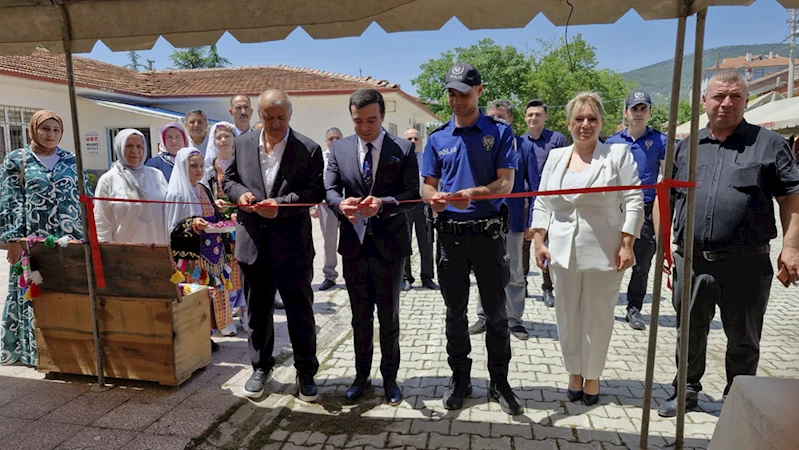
(14, 122)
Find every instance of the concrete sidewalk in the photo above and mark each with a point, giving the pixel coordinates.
(207, 412)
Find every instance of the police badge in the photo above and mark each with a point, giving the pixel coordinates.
(488, 142)
(648, 143)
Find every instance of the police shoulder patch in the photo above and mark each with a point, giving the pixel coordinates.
(439, 128)
(488, 142)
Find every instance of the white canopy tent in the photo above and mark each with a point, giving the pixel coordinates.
(76, 25)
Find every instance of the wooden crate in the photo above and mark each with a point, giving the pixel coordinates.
(148, 332)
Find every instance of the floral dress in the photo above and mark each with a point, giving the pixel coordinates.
(202, 259)
(220, 165)
(47, 206)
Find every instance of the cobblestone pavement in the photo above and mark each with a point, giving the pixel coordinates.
(207, 412)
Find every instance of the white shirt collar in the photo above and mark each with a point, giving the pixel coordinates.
(377, 143)
(262, 141)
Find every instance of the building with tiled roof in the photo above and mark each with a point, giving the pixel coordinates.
(753, 67)
(113, 97)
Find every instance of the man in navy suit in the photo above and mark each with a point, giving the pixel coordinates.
(368, 174)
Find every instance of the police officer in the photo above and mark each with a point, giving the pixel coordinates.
(648, 147)
(471, 155)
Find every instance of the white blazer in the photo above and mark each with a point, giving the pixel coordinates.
(590, 225)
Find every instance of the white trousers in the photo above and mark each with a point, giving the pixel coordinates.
(584, 309)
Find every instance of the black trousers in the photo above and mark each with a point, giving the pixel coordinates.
(487, 256)
(740, 287)
(417, 220)
(373, 281)
(260, 281)
(546, 284)
(644, 249)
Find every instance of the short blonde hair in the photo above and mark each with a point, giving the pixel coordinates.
(591, 99)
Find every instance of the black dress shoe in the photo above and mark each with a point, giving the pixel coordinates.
(430, 284)
(590, 399)
(460, 387)
(549, 298)
(356, 390)
(501, 391)
(327, 284)
(215, 347)
(669, 408)
(574, 396)
(393, 393)
(406, 285)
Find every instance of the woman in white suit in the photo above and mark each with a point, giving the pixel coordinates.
(590, 240)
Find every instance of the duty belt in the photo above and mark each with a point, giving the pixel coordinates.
(726, 256)
(478, 226)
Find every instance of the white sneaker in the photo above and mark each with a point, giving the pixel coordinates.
(229, 330)
(244, 318)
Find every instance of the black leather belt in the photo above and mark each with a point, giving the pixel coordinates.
(726, 256)
(478, 226)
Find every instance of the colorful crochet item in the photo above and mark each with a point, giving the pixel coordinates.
(50, 241)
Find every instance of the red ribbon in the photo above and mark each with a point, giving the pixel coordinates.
(662, 190)
(94, 243)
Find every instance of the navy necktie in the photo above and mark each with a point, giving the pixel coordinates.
(366, 170)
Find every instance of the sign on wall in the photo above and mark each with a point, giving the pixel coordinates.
(91, 143)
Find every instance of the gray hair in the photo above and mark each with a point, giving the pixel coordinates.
(333, 130)
(502, 104)
(195, 112)
(274, 97)
(592, 99)
(729, 76)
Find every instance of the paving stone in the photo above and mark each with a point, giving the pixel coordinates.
(299, 437)
(521, 430)
(502, 443)
(527, 444)
(564, 445)
(415, 440)
(91, 438)
(279, 435)
(430, 426)
(375, 440)
(479, 428)
(542, 432)
(459, 440)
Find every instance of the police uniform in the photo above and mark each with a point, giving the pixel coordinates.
(648, 150)
(472, 239)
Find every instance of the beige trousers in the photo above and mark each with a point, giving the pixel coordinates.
(584, 303)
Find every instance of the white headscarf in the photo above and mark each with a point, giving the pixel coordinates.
(181, 190)
(141, 182)
(211, 152)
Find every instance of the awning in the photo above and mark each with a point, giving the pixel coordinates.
(151, 111)
(137, 24)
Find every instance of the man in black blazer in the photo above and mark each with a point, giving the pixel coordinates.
(367, 175)
(271, 169)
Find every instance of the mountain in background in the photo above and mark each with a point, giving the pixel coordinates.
(656, 79)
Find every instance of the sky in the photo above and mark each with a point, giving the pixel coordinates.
(628, 44)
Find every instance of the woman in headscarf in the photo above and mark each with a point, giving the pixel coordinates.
(173, 138)
(38, 196)
(199, 253)
(129, 178)
(218, 157)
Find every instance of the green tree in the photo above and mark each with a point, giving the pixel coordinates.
(135, 59)
(560, 72)
(504, 70)
(660, 114)
(198, 58)
(214, 59)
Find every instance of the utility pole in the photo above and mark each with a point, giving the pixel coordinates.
(792, 53)
(150, 65)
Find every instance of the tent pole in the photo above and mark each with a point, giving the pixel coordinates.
(688, 257)
(66, 34)
(679, 50)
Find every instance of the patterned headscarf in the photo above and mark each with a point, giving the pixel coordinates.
(39, 117)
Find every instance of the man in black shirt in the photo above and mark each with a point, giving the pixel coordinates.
(741, 169)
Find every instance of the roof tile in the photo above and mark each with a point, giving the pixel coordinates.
(184, 83)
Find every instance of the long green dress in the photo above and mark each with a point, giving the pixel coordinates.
(48, 206)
